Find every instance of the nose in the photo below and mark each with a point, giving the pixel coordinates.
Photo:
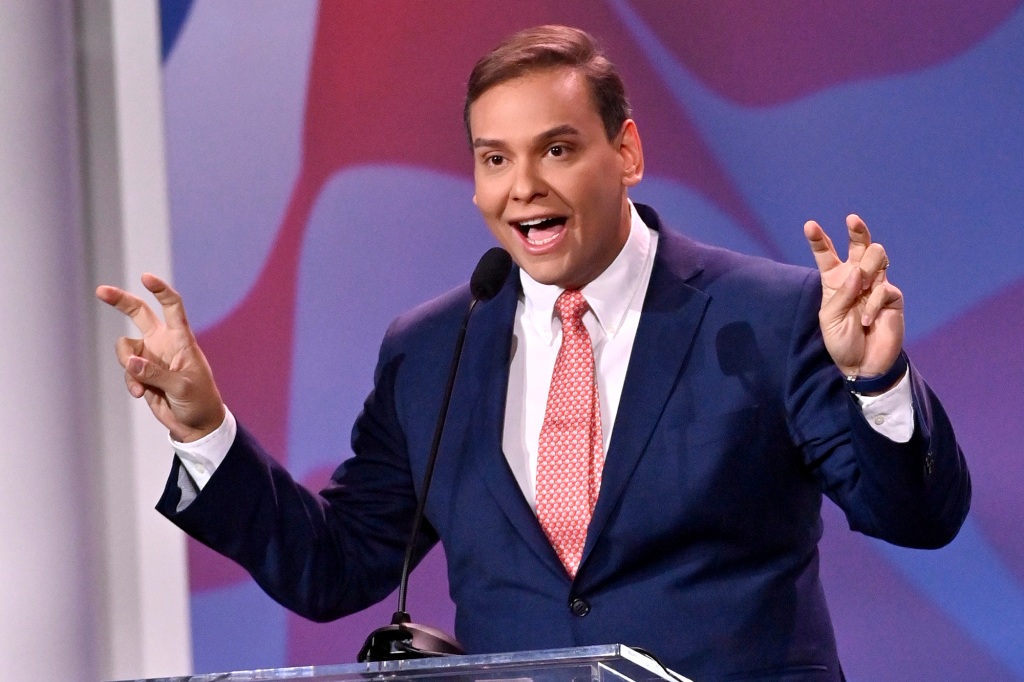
(527, 183)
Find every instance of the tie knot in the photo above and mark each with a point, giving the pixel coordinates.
(571, 306)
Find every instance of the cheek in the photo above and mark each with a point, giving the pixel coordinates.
(489, 201)
(593, 186)
(498, 228)
(496, 232)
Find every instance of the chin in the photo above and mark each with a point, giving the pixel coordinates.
(545, 275)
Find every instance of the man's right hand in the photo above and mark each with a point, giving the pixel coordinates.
(166, 366)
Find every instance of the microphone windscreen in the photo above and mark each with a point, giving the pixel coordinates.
(490, 274)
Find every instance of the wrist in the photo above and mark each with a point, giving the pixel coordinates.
(878, 384)
(191, 434)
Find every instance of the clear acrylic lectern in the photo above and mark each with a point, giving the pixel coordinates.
(608, 663)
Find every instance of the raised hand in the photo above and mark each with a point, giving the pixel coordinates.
(861, 312)
(166, 365)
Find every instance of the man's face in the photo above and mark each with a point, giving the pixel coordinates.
(549, 183)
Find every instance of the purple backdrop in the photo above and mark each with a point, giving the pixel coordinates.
(320, 185)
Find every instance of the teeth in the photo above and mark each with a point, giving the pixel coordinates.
(533, 223)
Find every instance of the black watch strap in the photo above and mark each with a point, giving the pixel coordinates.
(881, 383)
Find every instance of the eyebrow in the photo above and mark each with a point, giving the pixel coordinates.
(558, 131)
(565, 130)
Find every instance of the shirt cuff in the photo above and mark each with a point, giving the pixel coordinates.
(891, 413)
(202, 457)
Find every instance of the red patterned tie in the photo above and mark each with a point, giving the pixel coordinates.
(571, 453)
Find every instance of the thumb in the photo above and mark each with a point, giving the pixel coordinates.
(150, 374)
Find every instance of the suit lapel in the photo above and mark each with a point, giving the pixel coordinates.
(671, 316)
(672, 313)
(480, 405)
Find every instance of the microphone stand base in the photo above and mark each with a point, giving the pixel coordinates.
(403, 641)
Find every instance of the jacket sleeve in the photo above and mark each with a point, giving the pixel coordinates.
(914, 494)
(323, 555)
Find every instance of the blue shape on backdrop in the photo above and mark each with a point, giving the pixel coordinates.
(381, 240)
(173, 14)
(230, 176)
(689, 212)
(970, 583)
(248, 627)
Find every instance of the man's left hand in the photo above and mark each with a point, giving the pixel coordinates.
(861, 313)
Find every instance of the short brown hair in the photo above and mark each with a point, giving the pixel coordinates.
(544, 47)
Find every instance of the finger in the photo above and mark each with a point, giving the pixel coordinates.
(860, 237)
(135, 389)
(882, 297)
(141, 315)
(824, 252)
(107, 293)
(873, 264)
(169, 299)
(126, 347)
(151, 375)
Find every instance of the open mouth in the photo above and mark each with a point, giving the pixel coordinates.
(540, 231)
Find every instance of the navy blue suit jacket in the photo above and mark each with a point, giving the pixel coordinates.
(733, 422)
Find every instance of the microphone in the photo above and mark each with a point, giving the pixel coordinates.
(403, 639)
(489, 275)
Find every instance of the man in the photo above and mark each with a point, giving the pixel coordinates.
(642, 427)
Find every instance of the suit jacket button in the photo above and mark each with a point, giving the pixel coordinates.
(579, 607)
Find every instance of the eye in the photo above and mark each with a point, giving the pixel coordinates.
(557, 150)
(494, 160)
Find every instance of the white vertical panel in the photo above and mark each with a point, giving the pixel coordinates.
(46, 533)
(144, 616)
(92, 580)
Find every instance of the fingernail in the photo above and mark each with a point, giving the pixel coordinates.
(865, 321)
(135, 365)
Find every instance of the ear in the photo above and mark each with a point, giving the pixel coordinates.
(632, 154)
(475, 202)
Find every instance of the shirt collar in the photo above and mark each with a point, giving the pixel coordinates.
(609, 295)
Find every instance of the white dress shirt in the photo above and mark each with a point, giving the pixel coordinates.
(616, 298)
